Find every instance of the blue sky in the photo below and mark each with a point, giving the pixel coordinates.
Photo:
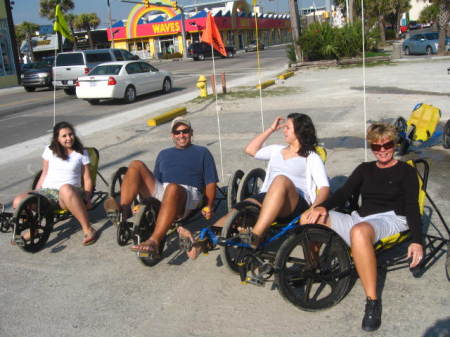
(28, 10)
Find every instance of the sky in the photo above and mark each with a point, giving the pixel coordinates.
(28, 10)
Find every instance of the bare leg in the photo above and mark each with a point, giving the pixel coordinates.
(138, 180)
(70, 199)
(172, 208)
(361, 236)
(18, 199)
(281, 200)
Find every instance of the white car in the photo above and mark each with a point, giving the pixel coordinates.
(122, 79)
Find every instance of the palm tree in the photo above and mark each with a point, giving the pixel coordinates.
(47, 7)
(87, 21)
(398, 8)
(442, 24)
(25, 31)
(70, 19)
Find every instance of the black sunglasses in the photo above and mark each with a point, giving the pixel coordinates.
(179, 132)
(387, 146)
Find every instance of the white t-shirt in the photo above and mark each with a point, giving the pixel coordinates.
(306, 174)
(62, 172)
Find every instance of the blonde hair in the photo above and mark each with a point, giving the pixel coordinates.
(377, 131)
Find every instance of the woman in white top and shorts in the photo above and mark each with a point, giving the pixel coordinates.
(65, 165)
(295, 178)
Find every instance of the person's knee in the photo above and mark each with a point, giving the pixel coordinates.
(173, 189)
(18, 199)
(362, 231)
(66, 191)
(136, 164)
(282, 181)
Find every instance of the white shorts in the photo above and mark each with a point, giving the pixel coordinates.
(194, 197)
(384, 224)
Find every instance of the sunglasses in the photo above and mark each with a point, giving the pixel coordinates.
(179, 132)
(386, 146)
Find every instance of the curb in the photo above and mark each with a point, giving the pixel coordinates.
(286, 75)
(160, 119)
(265, 84)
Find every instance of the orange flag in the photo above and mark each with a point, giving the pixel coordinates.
(211, 35)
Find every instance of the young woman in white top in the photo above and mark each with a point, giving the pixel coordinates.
(65, 165)
(295, 178)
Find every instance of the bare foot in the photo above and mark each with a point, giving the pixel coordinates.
(196, 249)
(149, 247)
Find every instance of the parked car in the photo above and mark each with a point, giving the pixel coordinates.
(70, 65)
(201, 50)
(252, 46)
(425, 43)
(36, 75)
(122, 79)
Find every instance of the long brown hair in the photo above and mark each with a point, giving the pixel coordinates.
(305, 132)
(57, 148)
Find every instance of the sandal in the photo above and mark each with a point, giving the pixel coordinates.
(188, 244)
(90, 238)
(112, 210)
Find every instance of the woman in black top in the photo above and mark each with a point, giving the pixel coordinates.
(389, 192)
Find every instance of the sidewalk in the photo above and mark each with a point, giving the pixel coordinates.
(104, 291)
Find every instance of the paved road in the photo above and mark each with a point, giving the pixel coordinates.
(104, 291)
(24, 116)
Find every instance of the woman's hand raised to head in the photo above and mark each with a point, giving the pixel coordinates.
(278, 123)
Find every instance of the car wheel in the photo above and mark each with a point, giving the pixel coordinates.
(407, 52)
(130, 94)
(167, 86)
(93, 101)
(230, 54)
(29, 89)
(195, 58)
(201, 57)
(429, 50)
(69, 91)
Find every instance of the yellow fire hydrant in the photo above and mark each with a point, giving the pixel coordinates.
(202, 85)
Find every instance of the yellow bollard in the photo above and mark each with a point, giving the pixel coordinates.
(202, 85)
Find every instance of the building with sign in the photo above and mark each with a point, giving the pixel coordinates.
(154, 29)
(8, 58)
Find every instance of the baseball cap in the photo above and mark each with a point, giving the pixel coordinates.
(180, 120)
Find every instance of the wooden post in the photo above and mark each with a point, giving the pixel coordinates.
(224, 83)
(213, 84)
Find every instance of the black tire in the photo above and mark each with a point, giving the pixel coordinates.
(130, 94)
(35, 180)
(69, 91)
(195, 58)
(251, 184)
(244, 218)
(313, 283)
(400, 125)
(232, 188)
(29, 89)
(428, 50)
(201, 57)
(123, 233)
(116, 182)
(446, 135)
(144, 221)
(447, 262)
(230, 54)
(407, 52)
(93, 101)
(34, 214)
(167, 86)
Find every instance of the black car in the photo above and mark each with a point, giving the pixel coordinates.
(37, 75)
(201, 50)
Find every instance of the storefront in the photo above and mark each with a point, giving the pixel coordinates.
(155, 30)
(8, 74)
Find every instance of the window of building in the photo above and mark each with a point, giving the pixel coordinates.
(6, 53)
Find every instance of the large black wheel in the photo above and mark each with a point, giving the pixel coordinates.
(130, 94)
(446, 135)
(313, 268)
(232, 188)
(116, 182)
(29, 89)
(36, 178)
(400, 125)
(237, 220)
(251, 184)
(429, 51)
(124, 233)
(33, 222)
(69, 91)
(201, 57)
(144, 221)
(167, 86)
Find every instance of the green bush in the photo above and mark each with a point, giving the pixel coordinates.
(176, 55)
(322, 41)
(290, 53)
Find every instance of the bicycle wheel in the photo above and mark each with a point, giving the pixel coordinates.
(313, 268)
(251, 184)
(116, 182)
(33, 222)
(144, 221)
(232, 189)
(400, 125)
(236, 219)
(447, 262)
(446, 135)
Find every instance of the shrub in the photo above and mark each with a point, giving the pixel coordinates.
(290, 52)
(318, 42)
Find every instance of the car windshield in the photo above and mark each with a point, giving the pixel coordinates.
(112, 69)
(432, 36)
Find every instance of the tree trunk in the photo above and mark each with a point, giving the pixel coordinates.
(30, 47)
(398, 18)
(350, 10)
(91, 43)
(293, 9)
(381, 28)
(75, 46)
(443, 22)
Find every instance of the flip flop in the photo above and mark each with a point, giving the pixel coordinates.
(91, 238)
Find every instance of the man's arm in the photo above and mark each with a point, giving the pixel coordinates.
(210, 195)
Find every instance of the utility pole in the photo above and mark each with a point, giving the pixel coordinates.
(295, 27)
